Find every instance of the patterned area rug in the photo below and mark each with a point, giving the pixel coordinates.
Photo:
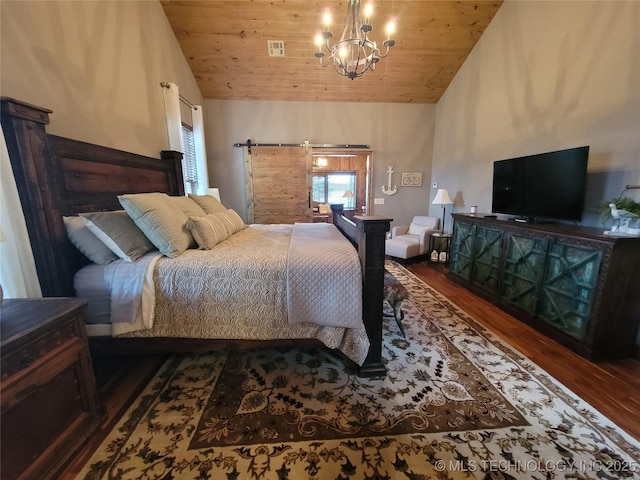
(456, 403)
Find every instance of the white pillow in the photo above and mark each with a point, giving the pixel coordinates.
(324, 208)
(86, 242)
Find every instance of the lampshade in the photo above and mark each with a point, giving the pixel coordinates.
(348, 194)
(442, 197)
(214, 192)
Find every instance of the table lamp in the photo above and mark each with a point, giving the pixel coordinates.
(442, 198)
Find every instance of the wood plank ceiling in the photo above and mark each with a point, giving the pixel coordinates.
(225, 43)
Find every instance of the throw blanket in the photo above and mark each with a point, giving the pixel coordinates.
(324, 283)
(132, 297)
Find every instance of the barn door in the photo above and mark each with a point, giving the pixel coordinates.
(278, 184)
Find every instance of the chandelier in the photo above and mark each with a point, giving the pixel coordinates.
(355, 53)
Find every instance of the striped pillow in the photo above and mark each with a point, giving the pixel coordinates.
(208, 231)
(231, 221)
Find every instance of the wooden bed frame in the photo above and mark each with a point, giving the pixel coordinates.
(57, 176)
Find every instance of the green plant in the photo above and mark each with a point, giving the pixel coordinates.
(621, 204)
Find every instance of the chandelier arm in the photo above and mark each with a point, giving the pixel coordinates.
(386, 43)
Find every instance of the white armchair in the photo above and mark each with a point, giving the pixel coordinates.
(411, 241)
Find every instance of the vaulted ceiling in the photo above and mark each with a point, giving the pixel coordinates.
(225, 43)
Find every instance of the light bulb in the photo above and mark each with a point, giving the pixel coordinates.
(368, 10)
(326, 19)
(391, 28)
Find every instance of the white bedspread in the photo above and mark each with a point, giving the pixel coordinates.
(324, 283)
(238, 290)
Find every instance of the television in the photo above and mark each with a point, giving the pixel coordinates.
(545, 186)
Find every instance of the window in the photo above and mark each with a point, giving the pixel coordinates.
(330, 188)
(187, 137)
(189, 164)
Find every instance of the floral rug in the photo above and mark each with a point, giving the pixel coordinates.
(456, 403)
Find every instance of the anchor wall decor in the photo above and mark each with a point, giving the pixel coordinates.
(387, 189)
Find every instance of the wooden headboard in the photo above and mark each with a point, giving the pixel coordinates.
(57, 176)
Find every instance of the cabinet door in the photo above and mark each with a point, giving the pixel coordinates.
(523, 271)
(486, 258)
(569, 287)
(462, 249)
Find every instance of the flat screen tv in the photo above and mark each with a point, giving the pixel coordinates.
(544, 186)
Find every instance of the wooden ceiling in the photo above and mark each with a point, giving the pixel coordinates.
(225, 43)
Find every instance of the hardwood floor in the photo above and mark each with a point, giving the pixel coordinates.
(120, 380)
(611, 387)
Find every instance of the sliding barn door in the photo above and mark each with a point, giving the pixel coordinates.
(278, 185)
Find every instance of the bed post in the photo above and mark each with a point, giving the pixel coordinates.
(28, 145)
(368, 234)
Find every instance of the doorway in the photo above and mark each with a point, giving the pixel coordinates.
(287, 183)
(342, 176)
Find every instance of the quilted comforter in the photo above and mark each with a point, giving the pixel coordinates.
(259, 284)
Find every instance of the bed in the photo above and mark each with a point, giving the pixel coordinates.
(59, 177)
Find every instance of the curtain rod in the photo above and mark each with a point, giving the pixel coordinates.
(182, 99)
(306, 144)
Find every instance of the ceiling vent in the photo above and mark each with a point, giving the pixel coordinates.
(276, 48)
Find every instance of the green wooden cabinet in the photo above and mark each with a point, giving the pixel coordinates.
(524, 262)
(462, 250)
(476, 254)
(569, 287)
(486, 258)
(574, 284)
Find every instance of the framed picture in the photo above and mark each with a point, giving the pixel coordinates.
(411, 179)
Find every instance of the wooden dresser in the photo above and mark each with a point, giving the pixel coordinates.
(49, 402)
(574, 284)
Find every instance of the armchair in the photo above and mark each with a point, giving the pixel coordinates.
(411, 241)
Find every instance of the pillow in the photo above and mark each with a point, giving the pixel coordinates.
(208, 231)
(231, 220)
(415, 229)
(209, 204)
(161, 220)
(119, 233)
(324, 208)
(238, 223)
(188, 206)
(86, 242)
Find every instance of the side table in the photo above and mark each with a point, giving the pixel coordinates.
(50, 405)
(439, 245)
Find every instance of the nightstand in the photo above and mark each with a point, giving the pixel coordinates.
(49, 402)
(439, 246)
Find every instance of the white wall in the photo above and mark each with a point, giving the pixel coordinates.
(97, 65)
(399, 134)
(545, 75)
